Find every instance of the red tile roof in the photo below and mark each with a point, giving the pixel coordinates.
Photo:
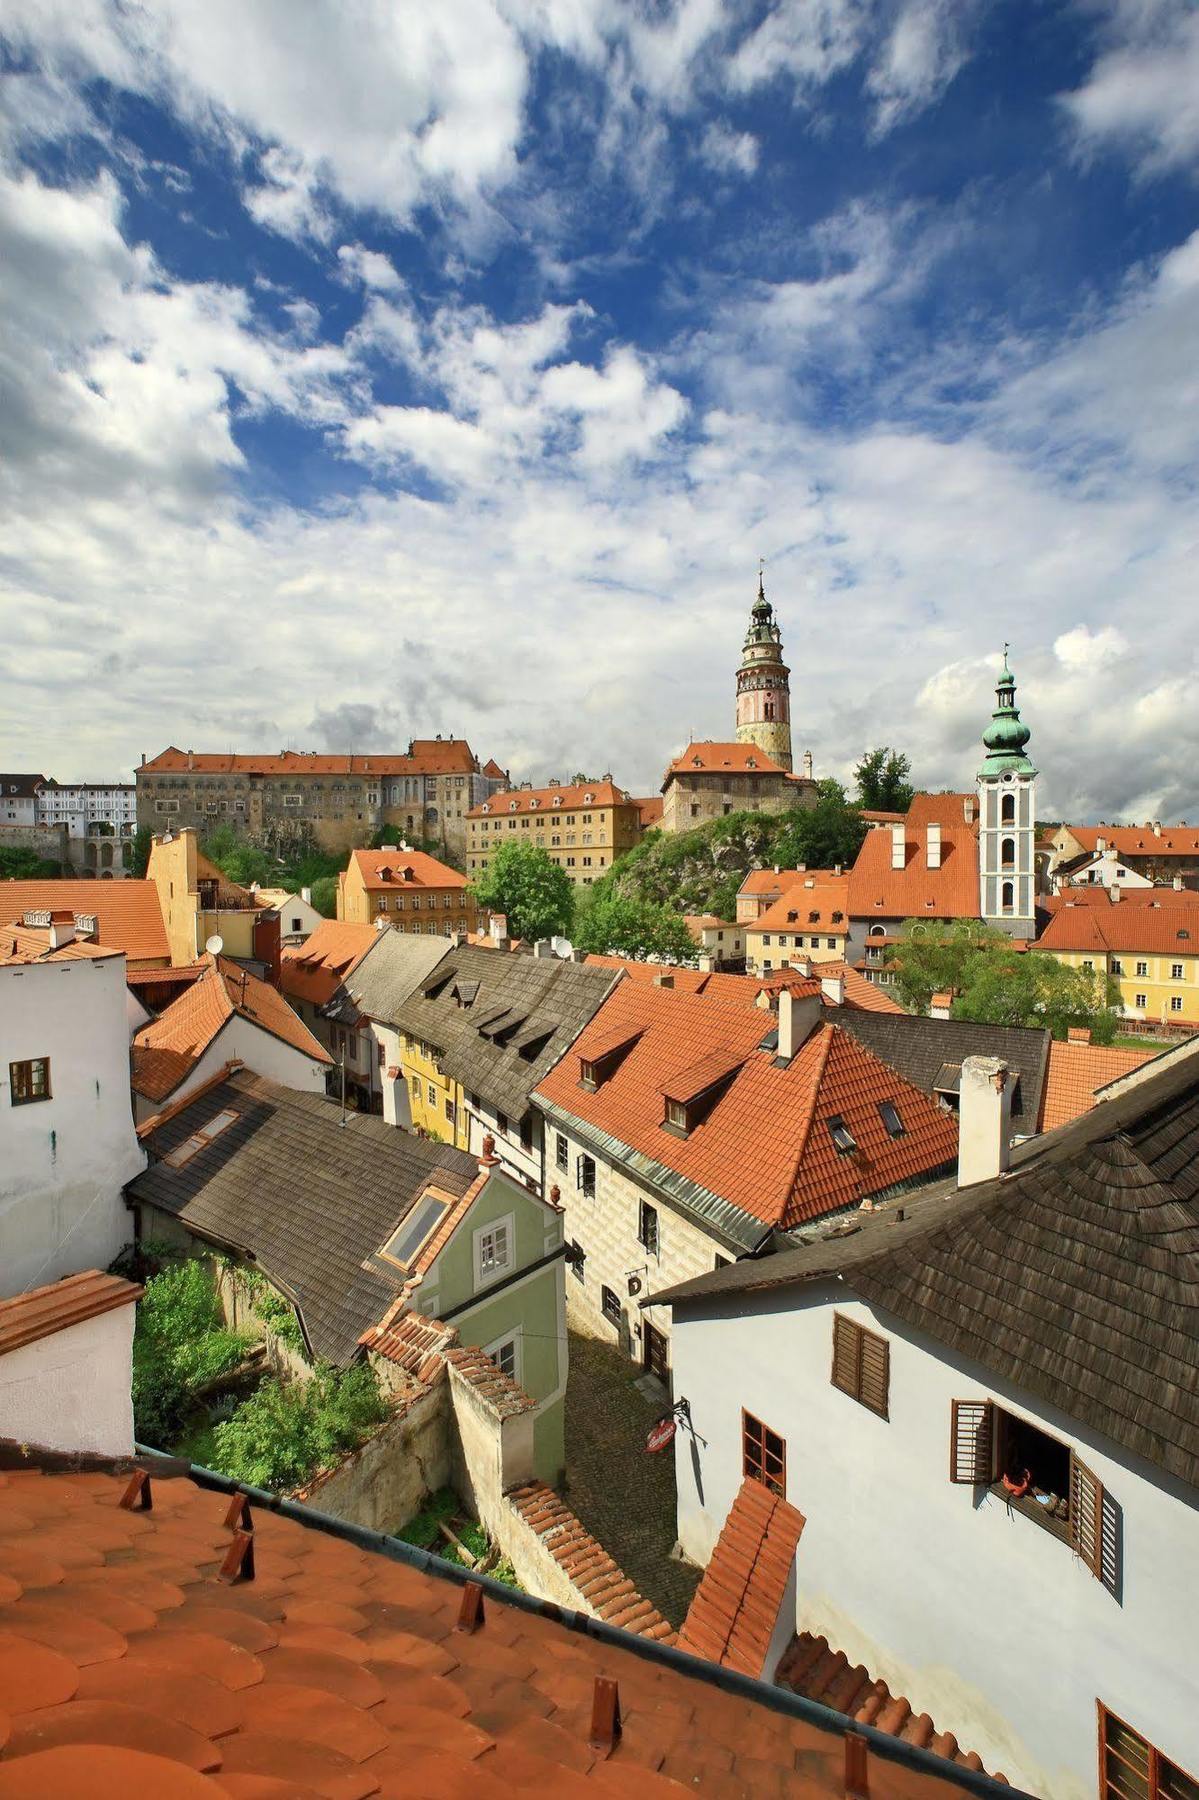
(697, 923)
(128, 913)
(552, 799)
(402, 870)
(861, 995)
(426, 756)
(1074, 1074)
(315, 969)
(876, 890)
(944, 810)
(1095, 893)
(492, 770)
(1152, 930)
(166, 1050)
(764, 1145)
(720, 985)
(1139, 840)
(809, 903)
(650, 808)
(31, 944)
(736, 759)
(736, 1606)
(603, 1585)
(770, 881)
(130, 1668)
(43, 1311)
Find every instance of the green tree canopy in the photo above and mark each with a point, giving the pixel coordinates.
(242, 861)
(823, 835)
(1011, 987)
(324, 895)
(19, 864)
(615, 924)
(932, 956)
(142, 840)
(528, 887)
(288, 1430)
(882, 778)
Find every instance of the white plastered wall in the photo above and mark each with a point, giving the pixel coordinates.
(71, 1391)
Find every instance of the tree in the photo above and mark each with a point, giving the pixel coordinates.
(823, 835)
(616, 925)
(528, 887)
(932, 957)
(324, 895)
(882, 778)
(142, 840)
(1005, 986)
(242, 861)
(20, 864)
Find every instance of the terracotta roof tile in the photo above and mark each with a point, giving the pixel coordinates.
(876, 890)
(399, 871)
(588, 1564)
(165, 1051)
(315, 969)
(44, 1311)
(553, 799)
(1139, 840)
(128, 914)
(811, 901)
(941, 809)
(650, 808)
(769, 881)
(739, 759)
(1076, 1071)
(32, 944)
(427, 756)
(736, 1606)
(1151, 930)
(764, 1145)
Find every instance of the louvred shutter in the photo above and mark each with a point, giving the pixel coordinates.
(578, 1171)
(875, 1372)
(1094, 1525)
(972, 1442)
(846, 1340)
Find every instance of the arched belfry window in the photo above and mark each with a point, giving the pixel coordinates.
(1007, 896)
(1007, 809)
(1007, 853)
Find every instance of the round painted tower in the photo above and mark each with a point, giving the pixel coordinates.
(764, 686)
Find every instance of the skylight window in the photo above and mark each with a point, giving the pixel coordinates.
(843, 1139)
(414, 1230)
(200, 1139)
(889, 1113)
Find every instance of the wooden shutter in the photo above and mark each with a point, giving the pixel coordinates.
(1094, 1525)
(972, 1441)
(846, 1346)
(874, 1375)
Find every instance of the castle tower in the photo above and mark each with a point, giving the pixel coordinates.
(1007, 800)
(763, 686)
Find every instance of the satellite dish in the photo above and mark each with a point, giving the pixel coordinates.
(215, 945)
(168, 837)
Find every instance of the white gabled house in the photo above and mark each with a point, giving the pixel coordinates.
(984, 1403)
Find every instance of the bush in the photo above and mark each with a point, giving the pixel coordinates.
(287, 1431)
(180, 1345)
(276, 1313)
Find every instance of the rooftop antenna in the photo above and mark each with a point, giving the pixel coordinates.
(342, 1067)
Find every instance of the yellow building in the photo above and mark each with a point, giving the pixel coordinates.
(1147, 940)
(583, 828)
(199, 902)
(435, 1098)
(810, 917)
(407, 889)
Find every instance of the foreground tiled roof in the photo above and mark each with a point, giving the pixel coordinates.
(130, 1667)
(314, 970)
(166, 1051)
(23, 944)
(426, 756)
(1075, 1276)
(736, 1606)
(128, 914)
(43, 1311)
(1178, 841)
(1076, 1071)
(1162, 930)
(707, 757)
(311, 1200)
(562, 798)
(764, 1145)
(876, 890)
(399, 871)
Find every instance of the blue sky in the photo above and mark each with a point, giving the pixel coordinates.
(369, 372)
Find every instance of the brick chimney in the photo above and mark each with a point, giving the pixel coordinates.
(1078, 1034)
(663, 980)
(984, 1120)
(939, 1005)
(933, 847)
(898, 847)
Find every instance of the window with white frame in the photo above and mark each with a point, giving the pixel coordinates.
(1141, 1000)
(493, 1248)
(1176, 971)
(505, 1353)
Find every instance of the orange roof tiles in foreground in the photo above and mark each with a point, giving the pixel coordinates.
(1076, 1072)
(165, 1051)
(315, 969)
(131, 1667)
(404, 869)
(732, 1617)
(128, 914)
(876, 890)
(44, 1311)
(764, 1143)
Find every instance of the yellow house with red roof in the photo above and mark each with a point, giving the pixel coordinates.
(581, 826)
(406, 889)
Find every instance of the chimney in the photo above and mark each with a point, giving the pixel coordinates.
(1101, 845)
(832, 988)
(898, 847)
(968, 809)
(838, 868)
(543, 948)
(939, 1005)
(706, 963)
(807, 765)
(1157, 827)
(796, 1021)
(1115, 892)
(306, 896)
(984, 1120)
(1078, 1034)
(62, 929)
(191, 759)
(809, 881)
(663, 980)
(143, 759)
(933, 850)
(802, 966)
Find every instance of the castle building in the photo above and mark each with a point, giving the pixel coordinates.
(1007, 792)
(763, 686)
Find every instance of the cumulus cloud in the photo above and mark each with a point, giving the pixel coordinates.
(1141, 95)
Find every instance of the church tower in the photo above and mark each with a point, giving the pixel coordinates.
(1007, 801)
(763, 686)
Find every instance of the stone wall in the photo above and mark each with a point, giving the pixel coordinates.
(388, 1479)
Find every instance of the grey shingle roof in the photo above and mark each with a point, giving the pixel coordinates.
(522, 998)
(386, 976)
(919, 1048)
(309, 1199)
(1076, 1276)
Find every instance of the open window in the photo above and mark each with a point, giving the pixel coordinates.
(1131, 1768)
(844, 1141)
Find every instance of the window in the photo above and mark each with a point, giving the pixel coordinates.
(200, 1139)
(297, 924)
(889, 1113)
(587, 1075)
(505, 1354)
(1007, 853)
(647, 1229)
(561, 1153)
(414, 1230)
(1141, 1000)
(677, 1120)
(1088, 965)
(585, 1176)
(29, 1081)
(1039, 1476)
(1117, 966)
(1176, 971)
(432, 1094)
(1007, 896)
(861, 1364)
(451, 1112)
(1007, 809)
(611, 1308)
(493, 1248)
(1142, 968)
(576, 1256)
(416, 1087)
(501, 1123)
(763, 1455)
(1131, 1769)
(844, 1140)
(1176, 1003)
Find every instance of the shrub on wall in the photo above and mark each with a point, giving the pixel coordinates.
(180, 1346)
(287, 1431)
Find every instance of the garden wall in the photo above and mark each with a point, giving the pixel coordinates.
(389, 1477)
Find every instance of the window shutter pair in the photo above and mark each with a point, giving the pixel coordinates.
(861, 1364)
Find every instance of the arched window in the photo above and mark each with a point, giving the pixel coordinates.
(878, 931)
(1007, 853)
(1007, 896)
(1007, 809)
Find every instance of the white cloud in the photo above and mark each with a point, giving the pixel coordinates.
(370, 267)
(1089, 651)
(729, 152)
(807, 41)
(920, 57)
(1142, 94)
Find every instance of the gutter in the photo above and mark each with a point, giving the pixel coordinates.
(744, 1687)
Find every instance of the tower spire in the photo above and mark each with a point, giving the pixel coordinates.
(763, 682)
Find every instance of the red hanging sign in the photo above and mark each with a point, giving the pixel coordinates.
(660, 1435)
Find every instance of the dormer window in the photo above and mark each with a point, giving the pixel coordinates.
(837, 918)
(533, 805)
(588, 799)
(677, 1117)
(587, 1076)
(691, 1094)
(512, 806)
(813, 918)
(605, 1056)
(844, 1141)
(486, 807)
(889, 1114)
(750, 763)
(557, 799)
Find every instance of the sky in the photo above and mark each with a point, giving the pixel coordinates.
(370, 369)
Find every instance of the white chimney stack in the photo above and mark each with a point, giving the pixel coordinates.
(543, 948)
(1114, 892)
(832, 987)
(939, 1007)
(898, 847)
(984, 1120)
(62, 929)
(1176, 884)
(933, 852)
(968, 809)
(797, 1020)
(807, 765)
(306, 896)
